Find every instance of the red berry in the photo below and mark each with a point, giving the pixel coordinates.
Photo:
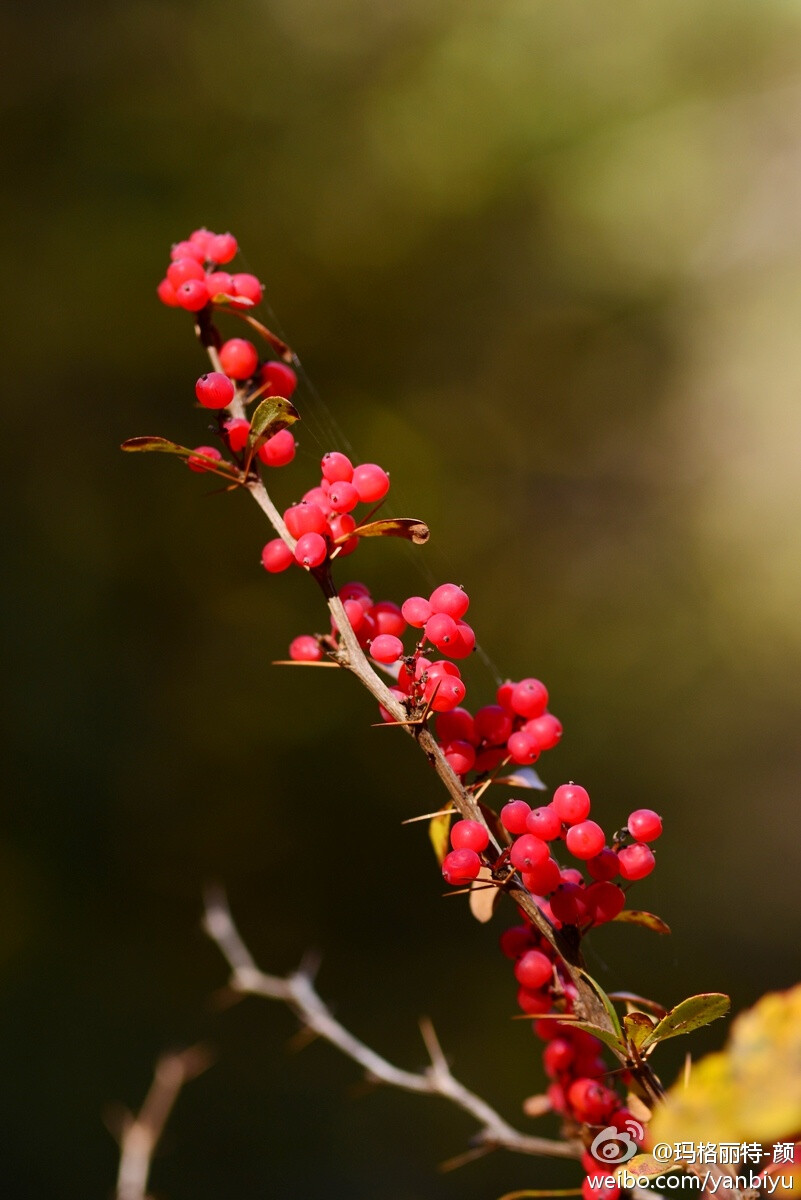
(572, 875)
(544, 822)
(336, 467)
(605, 900)
(278, 450)
(386, 648)
(522, 749)
(528, 852)
(456, 726)
(645, 825)
(572, 803)
(239, 358)
(636, 861)
(585, 840)
(342, 496)
(450, 693)
(166, 294)
(247, 286)
(450, 599)
(200, 238)
(542, 880)
(192, 295)
(186, 250)
(558, 1056)
(276, 556)
(219, 283)
(460, 756)
(305, 518)
(355, 613)
(441, 630)
(591, 1101)
(493, 724)
(388, 617)
(341, 526)
(182, 269)
(504, 695)
(311, 550)
(546, 731)
(198, 464)
(516, 940)
(214, 390)
(534, 1004)
(237, 430)
(533, 969)
(221, 248)
(567, 904)
(416, 611)
(465, 643)
(371, 482)
(529, 698)
(280, 379)
(514, 816)
(461, 866)
(604, 865)
(469, 835)
(305, 649)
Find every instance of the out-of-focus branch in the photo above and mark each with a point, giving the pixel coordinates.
(298, 992)
(141, 1133)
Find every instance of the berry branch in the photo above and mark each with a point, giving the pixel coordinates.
(141, 1134)
(298, 992)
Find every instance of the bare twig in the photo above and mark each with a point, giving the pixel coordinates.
(298, 992)
(141, 1134)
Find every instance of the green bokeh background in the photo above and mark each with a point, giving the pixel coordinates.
(543, 261)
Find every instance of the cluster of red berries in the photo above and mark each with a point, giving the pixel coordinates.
(322, 521)
(563, 894)
(194, 278)
(216, 391)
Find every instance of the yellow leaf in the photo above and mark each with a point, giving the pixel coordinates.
(439, 831)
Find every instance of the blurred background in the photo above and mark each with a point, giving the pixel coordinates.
(541, 261)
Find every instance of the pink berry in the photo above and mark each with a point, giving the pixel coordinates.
(516, 941)
(219, 283)
(342, 496)
(568, 904)
(465, 642)
(461, 866)
(336, 467)
(636, 861)
(604, 865)
(305, 649)
(514, 816)
(529, 698)
(386, 648)
(237, 431)
(388, 617)
(493, 724)
(557, 1057)
(522, 749)
(342, 526)
(280, 380)
(416, 611)
(542, 880)
(645, 825)
(460, 756)
(545, 822)
(192, 295)
(441, 630)
(214, 390)
(276, 556)
(311, 550)
(247, 286)
(533, 969)
(545, 730)
(470, 835)
(571, 802)
(305, 518)
(200, 238)
(371, 482)
(528, 852)
(167, 294)
(355, 613)
(278, 450)
(605, 901)
(183, 269)
(585, 839)
(186, 250)
(221, 248)
(449, 598)
(504, 695)
(239, 358)
(533, 1003)
(591, 1101)
(455, 726)
(198, 464)
(450, 693)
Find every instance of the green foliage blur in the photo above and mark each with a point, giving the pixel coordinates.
(543, 262)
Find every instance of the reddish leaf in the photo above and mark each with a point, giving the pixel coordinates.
(634, 916)
(403, 527)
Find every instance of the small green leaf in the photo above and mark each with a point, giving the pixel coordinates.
(403, 527)
(647, 920)
(439, 831)
(162, 445)
(637, 1026)
(605, 1035)
(270, 417)
(692, 1013)
(607, 1003)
